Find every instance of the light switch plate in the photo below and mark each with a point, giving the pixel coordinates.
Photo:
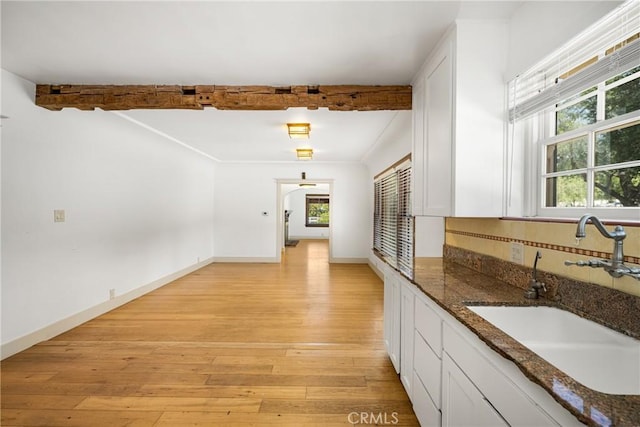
(517, 252)
(58, 215)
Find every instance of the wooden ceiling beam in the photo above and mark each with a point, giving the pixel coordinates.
(131, 97)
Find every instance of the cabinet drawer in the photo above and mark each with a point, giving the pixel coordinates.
(427, 367)
(427, 413)
(512, 403)
(429, 325)
(463, 404)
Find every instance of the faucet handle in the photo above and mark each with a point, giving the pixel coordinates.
(631, 272)
(591, 263)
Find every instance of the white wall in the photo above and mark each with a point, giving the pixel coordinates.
(538, 28)
(297, 205)
(139, 208)
(392, 145)
(244, 190)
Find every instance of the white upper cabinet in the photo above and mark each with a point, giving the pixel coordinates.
(458, 123)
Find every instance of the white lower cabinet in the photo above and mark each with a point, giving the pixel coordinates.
(407, 297)
(392, 318)
(428, 323)
(452, 377)
(462, 402)
(516, 399)
(426, 411)
(427, 367)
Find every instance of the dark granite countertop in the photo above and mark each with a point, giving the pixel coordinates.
(453, 286)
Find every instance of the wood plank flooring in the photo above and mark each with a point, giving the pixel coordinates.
(291, 344)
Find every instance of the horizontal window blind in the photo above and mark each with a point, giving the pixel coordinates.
(555, 78)
(377, 217)
(389, 216)
(405, 222)
(392, 222)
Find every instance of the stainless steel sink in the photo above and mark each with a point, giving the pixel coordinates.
(594, 355)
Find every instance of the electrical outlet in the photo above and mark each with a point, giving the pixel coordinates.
(58, 215)
(112, 293)
(517, 252)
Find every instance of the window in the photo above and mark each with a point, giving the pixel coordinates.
(317, 210)
(581, 118)
(596, 169)
(392, 220)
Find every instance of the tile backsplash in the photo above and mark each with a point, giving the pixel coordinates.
(556, 242)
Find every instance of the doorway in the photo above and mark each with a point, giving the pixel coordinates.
(291, 202)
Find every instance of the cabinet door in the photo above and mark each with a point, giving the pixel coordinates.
(388, 312)
(406, 337)
(392, 319)
(418, 149)
(495, 377)
(438, 133)
(462, 402)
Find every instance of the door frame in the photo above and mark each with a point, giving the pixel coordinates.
(280, 212)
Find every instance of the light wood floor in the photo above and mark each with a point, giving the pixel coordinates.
(296, 344)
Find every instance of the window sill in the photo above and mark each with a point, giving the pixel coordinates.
(623, 222)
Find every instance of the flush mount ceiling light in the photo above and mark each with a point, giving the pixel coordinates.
(298, 130)
(304, 153)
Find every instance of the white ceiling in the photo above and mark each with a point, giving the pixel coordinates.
(243, 43)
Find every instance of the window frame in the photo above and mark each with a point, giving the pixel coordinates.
(309, 197)
(539, 130)
(540, 148)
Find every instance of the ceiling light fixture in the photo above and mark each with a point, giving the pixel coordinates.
(304, 153)
(298, 130)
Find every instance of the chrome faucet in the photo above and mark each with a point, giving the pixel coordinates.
(616, 266)
(534, 286)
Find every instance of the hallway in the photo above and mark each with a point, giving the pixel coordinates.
(297, 343)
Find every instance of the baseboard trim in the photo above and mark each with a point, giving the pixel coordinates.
(275, 260)
(19, 344)
(308, 237)
(375, 269)
(348, 260)
(261, 260)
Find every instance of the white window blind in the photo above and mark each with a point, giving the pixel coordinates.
(377, 217)
(388, 217)
(405, 222)
(555, 78)
(392, 222)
